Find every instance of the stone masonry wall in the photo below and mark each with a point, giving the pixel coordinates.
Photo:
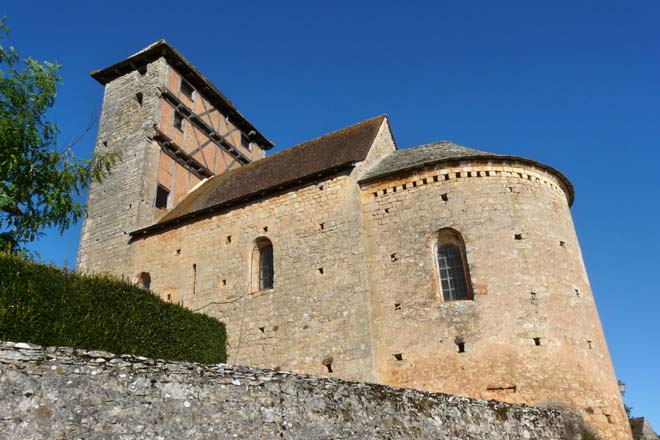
(57, 393)
(308, 316)
(124, 201)
(528, 279)
(318, 310)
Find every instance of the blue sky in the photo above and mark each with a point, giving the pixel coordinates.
(574, 84)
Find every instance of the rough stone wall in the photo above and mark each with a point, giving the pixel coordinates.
(318, 310)
(308, 316)
(58, 393)
(528, 279)
(125, 200)
(383, 145)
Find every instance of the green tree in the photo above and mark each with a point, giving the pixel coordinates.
(39, 182)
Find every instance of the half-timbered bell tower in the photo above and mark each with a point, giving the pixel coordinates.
(174, 129)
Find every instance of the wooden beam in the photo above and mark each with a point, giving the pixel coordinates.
(180, 156)
(218, 139)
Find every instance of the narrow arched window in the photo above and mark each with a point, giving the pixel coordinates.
(266, 270)
(453, 274)
(263, 271)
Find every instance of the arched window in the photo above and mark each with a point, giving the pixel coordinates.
(263, 272)
(453, 273)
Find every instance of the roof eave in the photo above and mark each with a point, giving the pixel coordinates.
(162, 48)
(567, 183)
(168, 223)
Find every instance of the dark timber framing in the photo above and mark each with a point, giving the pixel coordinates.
(216, 138)
(180, 156)
(162, 48)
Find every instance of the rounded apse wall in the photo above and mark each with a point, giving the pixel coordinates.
(529, 332)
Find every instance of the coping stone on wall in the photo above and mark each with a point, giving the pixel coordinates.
(53, 392)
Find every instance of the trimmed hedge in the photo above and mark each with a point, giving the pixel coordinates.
(49, 306)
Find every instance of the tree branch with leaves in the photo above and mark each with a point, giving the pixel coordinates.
(39, 183)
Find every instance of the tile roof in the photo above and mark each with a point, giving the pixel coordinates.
(324, 154)
(410, 158)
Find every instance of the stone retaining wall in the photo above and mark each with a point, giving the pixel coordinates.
(62, 393)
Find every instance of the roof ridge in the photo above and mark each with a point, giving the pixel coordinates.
(348, 127)
(446, 142)
(442, 141)
(316, 139)
(293, 147)
(149, 46)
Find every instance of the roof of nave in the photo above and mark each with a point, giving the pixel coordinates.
(325, 154)
(428, 154)
(162, 48)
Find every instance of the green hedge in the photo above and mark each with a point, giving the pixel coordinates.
(48, 306)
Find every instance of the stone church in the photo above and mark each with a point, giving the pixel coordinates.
(438, 267)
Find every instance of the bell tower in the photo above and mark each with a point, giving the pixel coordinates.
(173, 130)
